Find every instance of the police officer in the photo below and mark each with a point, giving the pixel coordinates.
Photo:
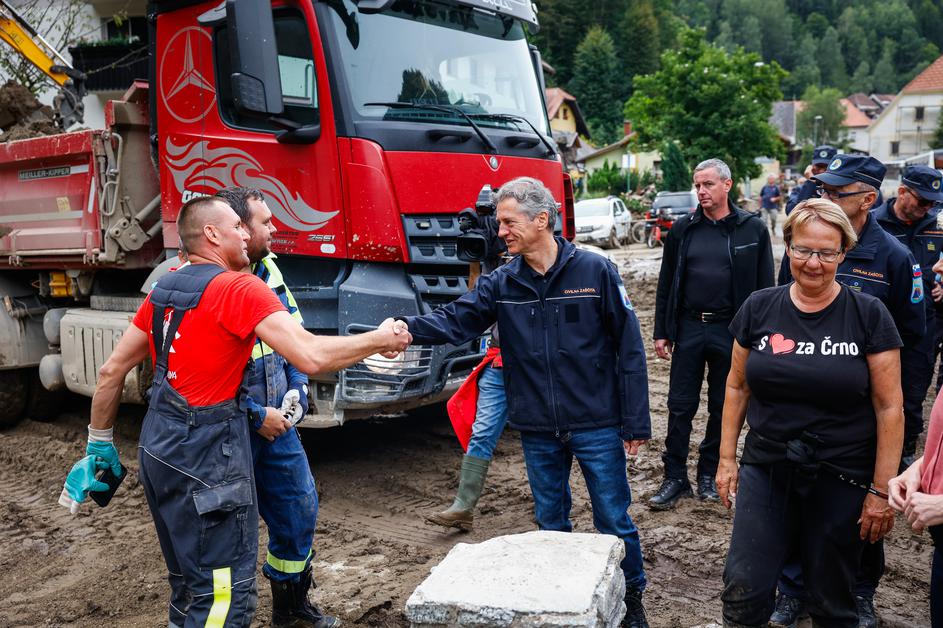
(288, 501)
(912, 218)
(882, 267)
(821, 157)
(199, 324)
(714, 259)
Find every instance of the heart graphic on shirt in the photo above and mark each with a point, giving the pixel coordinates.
(781, 344)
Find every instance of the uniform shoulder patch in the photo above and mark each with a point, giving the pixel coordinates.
(625, 297)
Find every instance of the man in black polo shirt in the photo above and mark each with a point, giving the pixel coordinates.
(714, 258)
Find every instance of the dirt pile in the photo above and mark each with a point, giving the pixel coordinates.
(22, 116)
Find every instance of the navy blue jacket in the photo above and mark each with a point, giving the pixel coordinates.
(924, 239)
(806, 191)
(573, 358)
(751, 262)
(881, 266)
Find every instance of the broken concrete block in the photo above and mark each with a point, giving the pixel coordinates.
(535, 579)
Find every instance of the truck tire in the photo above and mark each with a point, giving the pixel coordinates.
(14, 391)
(42, 404)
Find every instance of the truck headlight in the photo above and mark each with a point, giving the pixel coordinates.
(403, 363)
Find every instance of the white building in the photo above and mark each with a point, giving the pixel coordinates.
(907, 126)
(93, 21)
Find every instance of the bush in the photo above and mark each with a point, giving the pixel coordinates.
(609, 180)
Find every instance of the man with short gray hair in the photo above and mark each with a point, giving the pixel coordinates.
(574, 368)
(714, 258)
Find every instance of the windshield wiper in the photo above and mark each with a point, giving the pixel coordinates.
(510, 117)
(444, 108)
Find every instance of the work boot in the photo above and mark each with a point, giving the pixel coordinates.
(461, 514)
(672, 489)
(787, 612)
(634, 611)
(706, 488)
(291, 607)
(866, 618)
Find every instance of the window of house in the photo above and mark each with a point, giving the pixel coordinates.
(295, 69)
(895, 148)
(564, 110)
(918, 113)
(129, 29)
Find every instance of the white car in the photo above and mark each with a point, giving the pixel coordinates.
(603, 221)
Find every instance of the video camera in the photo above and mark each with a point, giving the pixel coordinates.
(479, 241)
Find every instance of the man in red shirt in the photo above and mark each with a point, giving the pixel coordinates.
(199, 324)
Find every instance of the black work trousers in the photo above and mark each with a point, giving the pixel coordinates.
(698, 345)
(916, 369)
(778, 513)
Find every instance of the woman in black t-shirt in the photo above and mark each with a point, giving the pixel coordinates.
(815, 372)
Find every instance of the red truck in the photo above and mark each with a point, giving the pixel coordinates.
(367, 125)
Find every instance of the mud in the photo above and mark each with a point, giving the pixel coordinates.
(22, 116)
(375, 479)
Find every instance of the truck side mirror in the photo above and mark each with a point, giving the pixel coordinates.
(256, 82)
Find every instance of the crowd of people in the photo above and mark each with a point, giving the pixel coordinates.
(828, 369)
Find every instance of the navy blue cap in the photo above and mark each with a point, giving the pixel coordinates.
(823, 154)
(845, 169)
(925, 181)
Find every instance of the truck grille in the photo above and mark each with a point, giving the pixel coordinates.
(376, 380)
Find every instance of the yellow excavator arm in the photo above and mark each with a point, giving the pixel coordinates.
(24, 39)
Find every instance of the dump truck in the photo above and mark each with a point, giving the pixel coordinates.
(367, 125)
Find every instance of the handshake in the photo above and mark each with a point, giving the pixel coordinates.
(395, 336)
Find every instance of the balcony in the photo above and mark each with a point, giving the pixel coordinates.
(110, 66)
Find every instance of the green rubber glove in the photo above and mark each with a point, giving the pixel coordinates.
(107, 452)
(81, 479)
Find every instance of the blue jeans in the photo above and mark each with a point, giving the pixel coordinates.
(601, 457)
(490, 415)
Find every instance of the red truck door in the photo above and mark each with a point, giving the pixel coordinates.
(206, 144)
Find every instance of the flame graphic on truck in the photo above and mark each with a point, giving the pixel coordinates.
(202, 166)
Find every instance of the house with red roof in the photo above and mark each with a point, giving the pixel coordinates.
(907, 125)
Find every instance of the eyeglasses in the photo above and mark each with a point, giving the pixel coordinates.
(803, 253)
(835, 194)
(922, 203)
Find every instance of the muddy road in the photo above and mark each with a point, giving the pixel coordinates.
(103, 568)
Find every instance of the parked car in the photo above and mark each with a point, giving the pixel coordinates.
(603, 221)
(666, 208)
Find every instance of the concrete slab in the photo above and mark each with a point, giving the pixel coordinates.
(525, 580)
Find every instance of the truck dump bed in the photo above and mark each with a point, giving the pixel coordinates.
(83, 199)
(49, 201)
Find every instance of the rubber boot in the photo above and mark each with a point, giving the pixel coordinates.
(461, 514)
(291, 607)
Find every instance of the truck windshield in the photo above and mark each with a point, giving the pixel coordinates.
(427, 52)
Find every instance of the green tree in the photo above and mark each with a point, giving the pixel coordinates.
(675, 175)
(861, 80)
(639, 42)
(884, 75)
(824, 104)
(831, 61)
(597, 83)
(713, 103)
(561, 28)
(608, 180)
(806, 71)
